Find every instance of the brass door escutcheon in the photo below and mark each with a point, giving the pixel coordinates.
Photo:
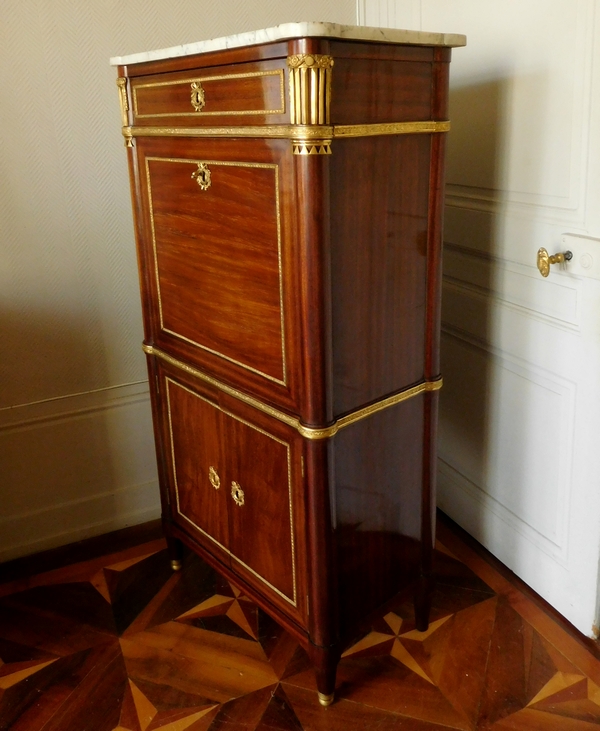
(544, 259)
(213, 477)
(237, 494)
(202, 176)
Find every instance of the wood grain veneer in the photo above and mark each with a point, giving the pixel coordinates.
(247, 93)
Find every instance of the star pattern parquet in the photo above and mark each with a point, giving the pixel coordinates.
(121, 643)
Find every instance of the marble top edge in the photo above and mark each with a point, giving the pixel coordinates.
(287, 31)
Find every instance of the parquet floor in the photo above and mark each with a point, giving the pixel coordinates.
(122, 644)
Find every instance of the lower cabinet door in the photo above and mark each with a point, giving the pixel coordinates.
(200, 498)
(261, 511)
(236, 486)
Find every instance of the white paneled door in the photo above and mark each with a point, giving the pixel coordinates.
(519, 464)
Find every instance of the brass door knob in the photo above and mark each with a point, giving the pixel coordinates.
(544, 259)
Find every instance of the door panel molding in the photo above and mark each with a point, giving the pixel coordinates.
(494, 457)
(389, 14)
(482, 277)
(528, 107)
(451, 482)
(511, 118)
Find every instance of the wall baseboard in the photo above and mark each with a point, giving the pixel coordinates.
(76, 467)
(85, 550)
(452, 535)
(69, 522)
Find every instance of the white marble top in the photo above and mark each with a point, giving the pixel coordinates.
(298, 30)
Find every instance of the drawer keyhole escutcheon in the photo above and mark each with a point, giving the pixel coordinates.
(202, 176)
(214, 478)
(237, 494)
(197, 98)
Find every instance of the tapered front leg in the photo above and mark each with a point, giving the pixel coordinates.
(423, 595)
(175, 549)
(325, 661)
(426, 582)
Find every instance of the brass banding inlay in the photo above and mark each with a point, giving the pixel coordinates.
(391, 128)
(169, 381)
(205, 163)
(202, 80)
(308, 432)
(311, 432)
(296, 131)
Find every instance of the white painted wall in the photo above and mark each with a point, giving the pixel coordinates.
(76, 449)
(520, 410)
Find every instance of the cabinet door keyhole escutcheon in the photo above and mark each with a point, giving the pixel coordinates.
(213, 477)
(237, 494)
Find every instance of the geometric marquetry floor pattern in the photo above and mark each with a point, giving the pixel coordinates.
(121, 643)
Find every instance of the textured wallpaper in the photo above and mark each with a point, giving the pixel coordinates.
(69, 306)
(76, 447)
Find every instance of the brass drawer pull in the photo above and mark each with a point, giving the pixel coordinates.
(202, 176)
(213, 477)
(197, 98)
(237, 494)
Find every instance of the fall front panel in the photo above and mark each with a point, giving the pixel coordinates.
(213, 251)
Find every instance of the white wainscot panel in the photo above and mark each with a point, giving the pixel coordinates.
(506, 437)
(470, 278)
(75, 467)
(390, 13)
(520, 99)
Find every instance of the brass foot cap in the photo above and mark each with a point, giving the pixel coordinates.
(326, 700)
(176, 565)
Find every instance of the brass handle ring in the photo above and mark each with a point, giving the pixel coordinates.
(237, 494)
(544, 259)
(213, 477)
(197, 99)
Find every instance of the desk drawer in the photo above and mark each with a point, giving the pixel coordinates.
(237, 94)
